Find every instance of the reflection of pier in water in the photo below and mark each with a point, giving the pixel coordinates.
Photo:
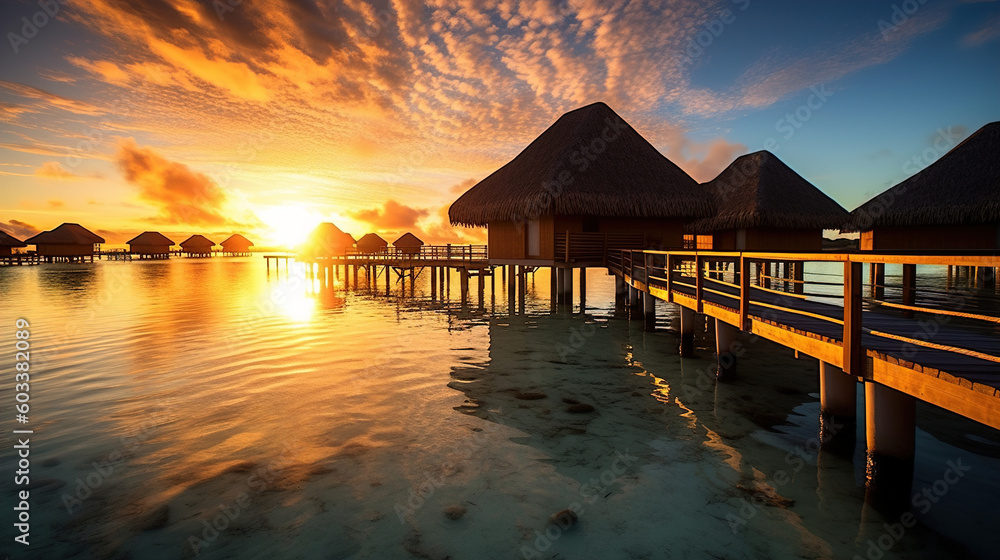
(779, 305)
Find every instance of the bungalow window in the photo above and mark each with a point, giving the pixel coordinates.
(534, 236)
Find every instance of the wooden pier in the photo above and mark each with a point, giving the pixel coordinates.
(946, 354)
(469, 261)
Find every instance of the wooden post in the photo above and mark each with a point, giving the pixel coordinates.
(482, 287)
(554, 288)
(522, 287)
(355, 276)
(687, 332)
(464, 282)
(387, 275)
(725, 337)
(744, 272)
(648, 312)
(433, 283)
(512, 291)
(569, 287)
(799, 276)
(669, 271)
(698, 281)
(879, 285)
(583, 290)
(854, 358)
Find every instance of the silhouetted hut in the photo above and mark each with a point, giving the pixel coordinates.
(952, 204)
(588, 183)
(408, 244)
(197, 246)
(150, 245)
(8, 242)
(236, 245)
(327, 240)
(68, 242)
(762, 205)
(372, 243)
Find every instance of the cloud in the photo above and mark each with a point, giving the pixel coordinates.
(54, 170)
(19, 229)
(182, 196)
(989, 31)
(392, 216)
(704, 161)
(465, 185)
(56, 204)
(48, 99)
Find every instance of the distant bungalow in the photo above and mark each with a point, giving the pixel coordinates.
(408, 244)
(197, 246)
(8, 242)
(952, 204)
(372, 243)
(762, 205)
(68, 242)
(150, 245)
(590, 176)
(236, 245)
(327, 240)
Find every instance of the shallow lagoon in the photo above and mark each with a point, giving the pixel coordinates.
(315, 422)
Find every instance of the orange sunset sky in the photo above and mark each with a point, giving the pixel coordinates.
(265, 117)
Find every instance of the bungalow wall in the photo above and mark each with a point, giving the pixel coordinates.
(149, 249)
(236, 247)
(65, 250)
(198, 249)
(510, 240)
(933, 238)
(5, 250)
(768, 239)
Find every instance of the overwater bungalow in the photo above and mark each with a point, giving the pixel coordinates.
(67, 243)
(236, 246)
(587, 184)
(372, 243)
(197, 246)
(8, 243)
(952, 204)
(761, 204)
(408, 244)
(150, 245)
(327, 240)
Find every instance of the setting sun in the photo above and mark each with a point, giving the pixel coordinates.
(288, 226)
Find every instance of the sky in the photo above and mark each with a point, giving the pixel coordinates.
(268, 116)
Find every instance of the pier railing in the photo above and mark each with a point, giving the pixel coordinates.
(579, 247)
(462, 253)
(771, 287)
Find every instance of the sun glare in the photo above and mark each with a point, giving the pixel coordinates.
(288, 226)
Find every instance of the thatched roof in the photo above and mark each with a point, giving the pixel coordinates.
(589, 162)
(408, 240)
(962, 187)
(327, 239)
(759, 191)
(7, 240)
(237, 241)
(66, 234)
(371, 242)
(150, 238)
(196, 241)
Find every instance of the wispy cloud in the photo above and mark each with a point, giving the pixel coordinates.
(48, 99)
(989, 31)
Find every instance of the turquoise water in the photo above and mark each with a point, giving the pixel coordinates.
(317, 422)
